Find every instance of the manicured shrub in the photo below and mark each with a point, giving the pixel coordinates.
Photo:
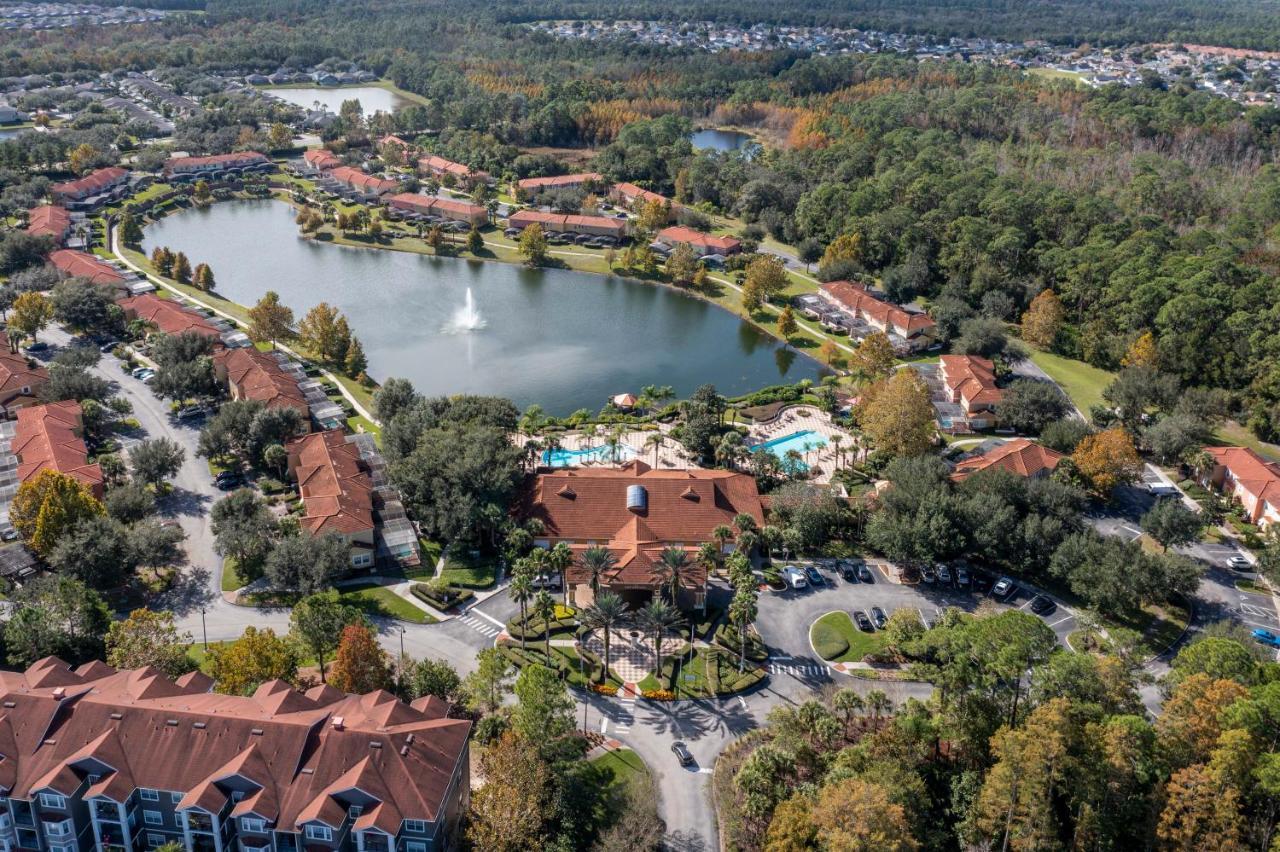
(828, 642)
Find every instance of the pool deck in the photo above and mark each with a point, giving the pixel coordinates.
(670, 455)
(801, 418)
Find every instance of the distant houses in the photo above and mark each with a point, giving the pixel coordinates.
(635, 199)
(439, 167)
(320, 160)
(970, 382)
(702, 244)
(49, 220)
(530, 186)
(366, 187)
(216, 166)
(1249, 479)
(100, 187)
(168, 316)
(446, 209)
(907, 330)
(594, 226)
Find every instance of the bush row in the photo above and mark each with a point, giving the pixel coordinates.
(441, 599)
(536, 628)
(727, 638)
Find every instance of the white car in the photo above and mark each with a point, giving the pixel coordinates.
(794, 577)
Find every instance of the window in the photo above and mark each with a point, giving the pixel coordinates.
(149, 795)
(418, 826)
(175, 797)
(58, 829)
(153, 818)
(361, 559)
(154, 839)
(253, 825)
(52, 800)
(415, 846)
(319, 832)
(355, 811)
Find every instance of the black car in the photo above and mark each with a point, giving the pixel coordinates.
(864, 623)
(814, 575)
(864, 574)
(982, 582)
(1041, 605)
(228, 480)
(682, 753)
(879, 617)
(962, 578)
(849, 572)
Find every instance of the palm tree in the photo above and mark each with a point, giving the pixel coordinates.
(836, 440)
(657, 619)
(743, 522)
(709, 556)
(596, 561)
(614, 443)
(655, 440)
(742, 612)
(544, 608)
(878, 703)
(558, 559)
(522, 593)
(605, 614)
(848, 704)
(672, 567)
(722, 535)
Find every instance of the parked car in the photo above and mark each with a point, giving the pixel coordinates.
(9, 535)
(228, 481)
(928, 575)
(1003, 588)
(1266, 637)
(1239, 563)
(864, 623)
(139, 372)
(864, 574)
(814, 576)
(38, 346)
(1041, 605)
(981, 582)
(962, 577)
(944, 574)
(546, 581)
(849, 572)
(682, 753)
(879, 617)
(794, 577)
(190, 412)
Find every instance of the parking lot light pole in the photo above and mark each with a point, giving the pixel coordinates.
(204, 629)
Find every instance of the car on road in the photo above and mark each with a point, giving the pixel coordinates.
(190, 412)
(928, 575)
(546, 581)
(944, 574)
(849, 572)
(794, 577)
(864, 623)
(814, 576)
(1266, 637)
(879, 617)
(682, 753)
(1239, 563)
(137, 372)
(963, 579)
(38, 346)
(228, 480)
(9, 535)
(864, 574)
(1004, 587)
(108, 348)
(1041, 605)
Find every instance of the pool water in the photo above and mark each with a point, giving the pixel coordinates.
(802, 442)
(571, 458)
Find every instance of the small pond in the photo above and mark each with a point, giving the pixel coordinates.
(372, 98)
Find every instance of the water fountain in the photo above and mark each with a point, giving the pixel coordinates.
(465, 318)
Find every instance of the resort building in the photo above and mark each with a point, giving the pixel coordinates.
(49, 220)
(634, 198)
(107, 759)
(1025, 458)
(703, 244)
(906, 329)
(320, 160)
(439, 167)
(970, 382)
(1250, 480)
(535, 185)
(20, 382)
(79, 264)
(637, 512)
(249, 373)
(168, 316)
(559, 223)
(336, 491)
(363, 186)
(447, 209)
(217, 166)
(50, 437)
(90, 192)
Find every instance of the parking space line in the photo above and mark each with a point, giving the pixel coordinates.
(1060, 620)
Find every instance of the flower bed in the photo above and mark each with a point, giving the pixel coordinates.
(441, 599)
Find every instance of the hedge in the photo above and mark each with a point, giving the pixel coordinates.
(828, 642)
(451, 597)
(529, 656)
(727, 638)
(535, 628)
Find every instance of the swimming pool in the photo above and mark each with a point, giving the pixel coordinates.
(802, 442)
(571, 458)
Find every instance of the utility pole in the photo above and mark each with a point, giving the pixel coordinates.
(204, 628)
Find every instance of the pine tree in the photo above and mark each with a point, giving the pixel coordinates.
(356, 362)
(204, 277)
(162, 260)
(181, 268)
(130, 230)
(787, 325)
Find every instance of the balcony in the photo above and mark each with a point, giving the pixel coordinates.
(200, 822)
(106, 810)
(57, 831)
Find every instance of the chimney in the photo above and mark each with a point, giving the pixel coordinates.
(60, 693)
(337, 723)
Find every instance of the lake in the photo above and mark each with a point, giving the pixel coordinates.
(562, 339)
(720, 140)
(372, 98)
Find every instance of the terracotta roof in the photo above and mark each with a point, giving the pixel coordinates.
(168, 316)
(973, 378)
(301, 761)
(447, 206)
(79, 264)
(47, 437)
(217, 161)
(561, 222)
(560, 180)
(631, 193)
(256, 375)
(321, 159)
(681, 507)
(16, 373)
(438, 165)
(49, 220)
(1020, 456)
(357, 179)
(681, 234)
(336, 489)
(391, 138)
(856, 298)
(91, 184)
(1251, 471)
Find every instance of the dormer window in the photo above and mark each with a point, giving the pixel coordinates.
(52, 800)
(319, 832)
(355, 811)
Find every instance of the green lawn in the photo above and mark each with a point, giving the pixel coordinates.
(1058, 74)
(231, 579)
(623, 764)
(381, 601)
(470, 574)
(1233, 434)
(860, 643)
(1083, 383)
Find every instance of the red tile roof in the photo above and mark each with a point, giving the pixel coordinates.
(256, 375)
(319, 158)
(560, 181)
(439, 165)
(561, 222)
(335, 487)
(16, 373)
(972, 378)
(79, 264)
(856, 298)
(582, 505)
(681, 234)
(630, 193)
(302, 754)
(1023, 457)
(357, 179)
(449, 207)
(1252, 472)
(237, 159)
(50, 221)
(169, 316)
(47, 437)
(91, 184)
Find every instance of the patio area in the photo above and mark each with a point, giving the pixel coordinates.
(820, 451)
(630, 652)
(592, 448)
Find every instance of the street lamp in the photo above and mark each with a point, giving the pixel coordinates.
(204, 628)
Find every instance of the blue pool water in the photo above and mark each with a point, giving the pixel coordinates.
(801, 442)
(570, 458)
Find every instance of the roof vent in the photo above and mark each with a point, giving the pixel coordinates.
(690, 494)
(375, 744)
(172, 723)
(637, 498)
(308, 771)
(257, 732)
(10, 704)
(60, 692)
(117, 716)
(338, 723)
(200, 725)
(567, 492)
